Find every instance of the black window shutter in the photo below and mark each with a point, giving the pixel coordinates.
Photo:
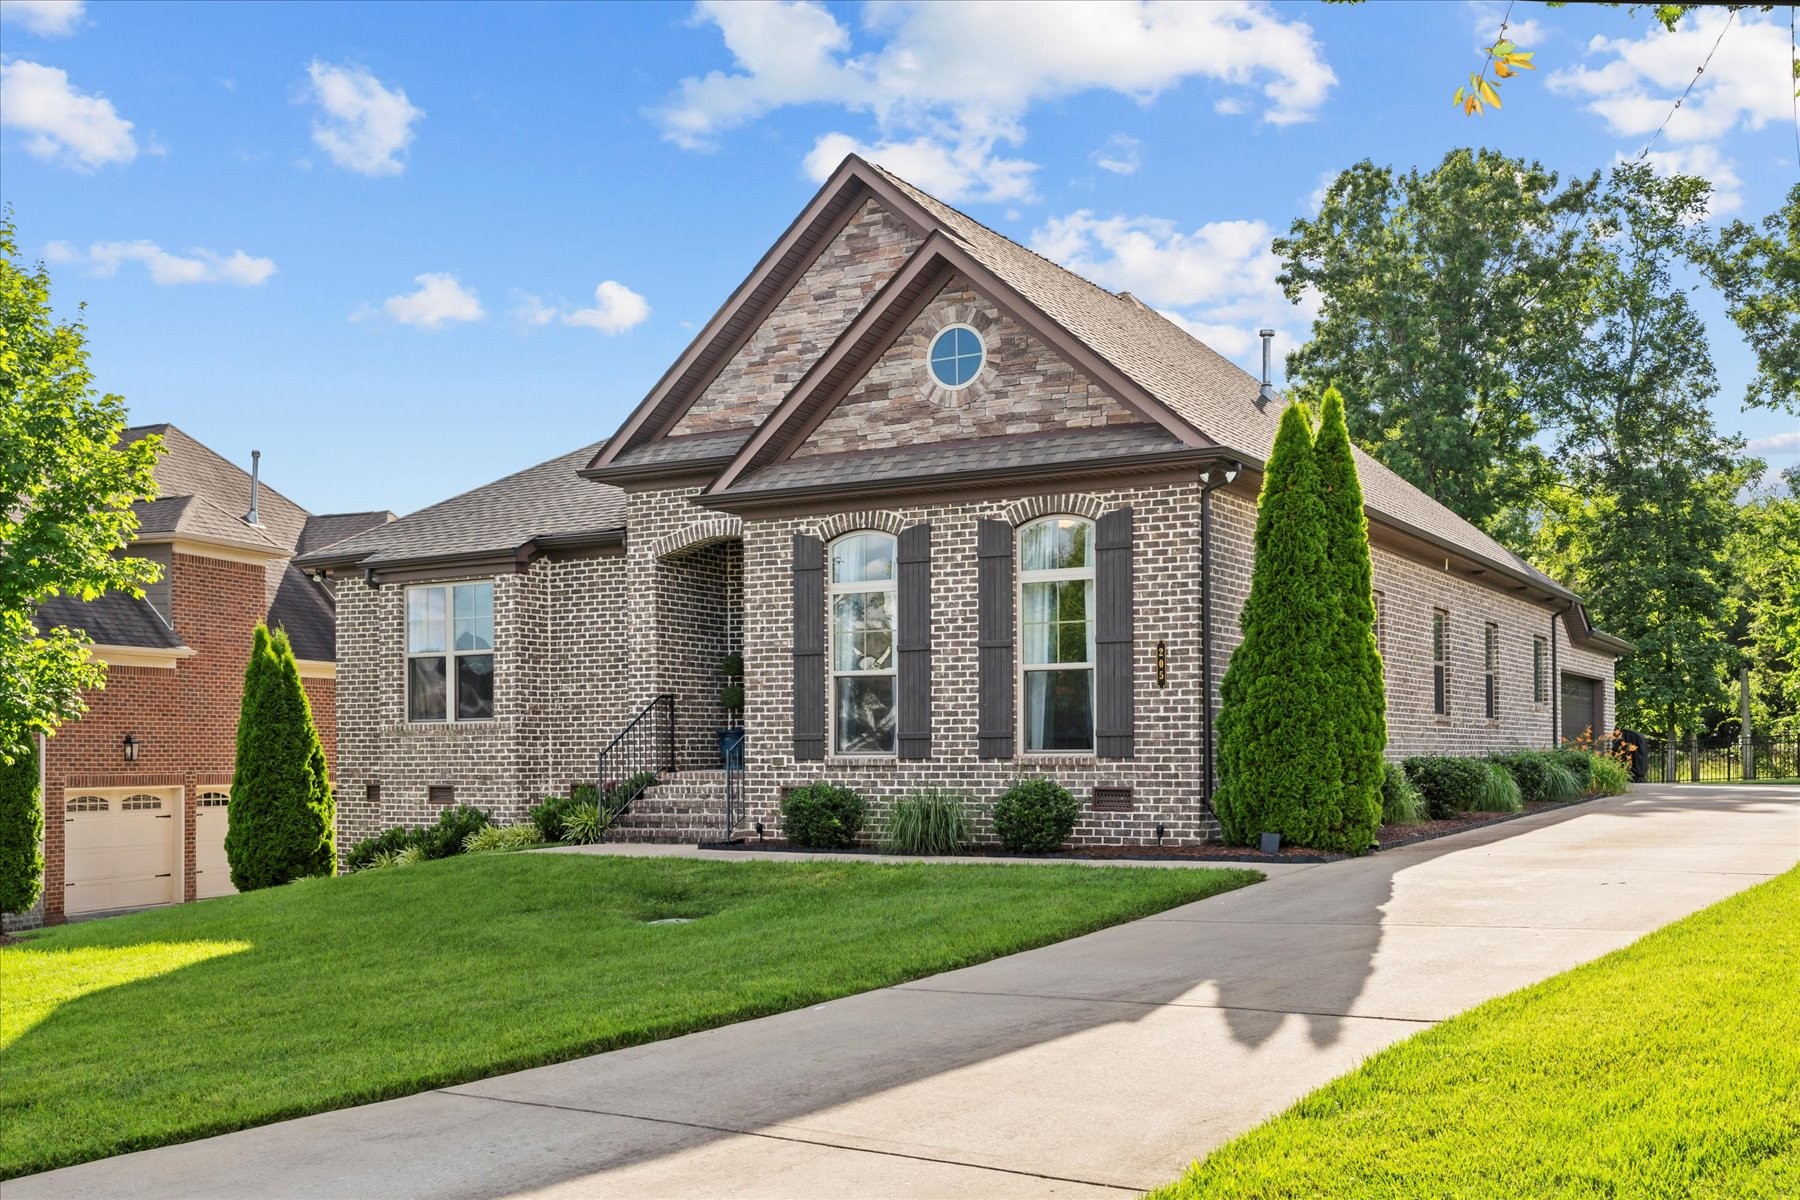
(809, 647)
(914, 661)
(1114, 714)
(994, 639)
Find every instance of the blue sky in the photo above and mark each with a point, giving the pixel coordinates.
(405, 249)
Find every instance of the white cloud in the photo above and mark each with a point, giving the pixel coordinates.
(1229, 106)
(1779, 443)
(1119, 155)
(531, 311)
(104, 259)
(1486, 17)
(1635, 82)
(948, 83)
(1705, 161)
(62, 125)
(1216, 281)
(46, 18)
(366, 126)
(967, 169)
(616, 309)
(438, 299)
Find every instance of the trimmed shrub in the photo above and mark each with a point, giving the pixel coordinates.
(1580, 764)
(1609, 776)
(497, 838)
(282, 815)
(1401, 803)
(548, 815)
(1279, 769)
(1540, 776)
(1035, 816)
(1450, 785)
(454, 825)
(822, 816)
(388, 842)
(1499, 792)
(1352, 659)
(927, 821)
(21, 831)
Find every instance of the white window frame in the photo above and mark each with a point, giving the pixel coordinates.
(1021, 668)
(979, 367)
(449, 652)
(834, 589)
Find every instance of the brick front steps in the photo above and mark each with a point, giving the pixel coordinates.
(686, 807)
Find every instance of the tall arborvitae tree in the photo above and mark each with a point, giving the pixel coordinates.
(283, 817)
(1353, 660)
(21, 830)
(1278, 764)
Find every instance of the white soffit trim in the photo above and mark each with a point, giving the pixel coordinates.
(312, 668)
(140, 656)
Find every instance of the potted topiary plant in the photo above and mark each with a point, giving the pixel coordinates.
(731, 699)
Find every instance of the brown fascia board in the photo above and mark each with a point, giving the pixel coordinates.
(852, 178)
(1180, 465)
(880, 325)
(686, 472)
(1583, 633)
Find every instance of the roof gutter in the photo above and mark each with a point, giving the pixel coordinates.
(497, 560)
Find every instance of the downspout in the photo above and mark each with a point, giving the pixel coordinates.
(1555, 681)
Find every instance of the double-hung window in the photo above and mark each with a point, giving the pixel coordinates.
(1491, 657)
(450, 652)
(863, 716)
(1056, 617)
(1440, 662)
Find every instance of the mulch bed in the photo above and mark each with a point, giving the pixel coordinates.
(1393, 837)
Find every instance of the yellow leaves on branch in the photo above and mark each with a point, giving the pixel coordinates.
(1507, 60)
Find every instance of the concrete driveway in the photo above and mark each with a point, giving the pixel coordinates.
(1099, 1066)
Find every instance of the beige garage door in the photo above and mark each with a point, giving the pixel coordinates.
(212, 870)
(120, 850)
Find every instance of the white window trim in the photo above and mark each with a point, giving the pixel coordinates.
(449, 652)
(833, 590)
(979, 367)
(1021, 669)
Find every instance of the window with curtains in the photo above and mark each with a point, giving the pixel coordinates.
(450, 652)
(862, 597)
(1440, 662)
(1056, 621)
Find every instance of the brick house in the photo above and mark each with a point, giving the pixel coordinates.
(134, 791)
(965, 516)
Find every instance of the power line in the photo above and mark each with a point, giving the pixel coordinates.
(1690, 87)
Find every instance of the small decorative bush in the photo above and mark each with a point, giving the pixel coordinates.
(732, 667)
(1450, 785)
(548, 815)
(1609, 777)
(1580, 764)
(619, 794)
(388, 842)
(1035, 816)
(454, 825)
(583, 824)
(731, 697)
(1499, 792)
(1401, 803)
(927, 821)
(822, 816)
(496, 838)
(1541, 776)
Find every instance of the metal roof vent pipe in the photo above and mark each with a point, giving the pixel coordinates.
(1265, 393)
(251, 517)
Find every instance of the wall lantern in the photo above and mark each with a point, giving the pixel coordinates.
(1220, 474)
(131, 747)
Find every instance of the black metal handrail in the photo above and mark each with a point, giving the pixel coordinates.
(638, 756)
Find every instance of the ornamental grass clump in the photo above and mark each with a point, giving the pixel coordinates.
(1498, 791)
(1401, 803)
(1540, 775)
(822, 816)
(1035, 816)
(1608, 777)
(927, 821)
(499, 838)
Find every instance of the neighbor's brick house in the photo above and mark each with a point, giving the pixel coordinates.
(952, 505)
(144, 825)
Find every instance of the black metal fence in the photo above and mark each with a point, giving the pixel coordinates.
(1717, 760)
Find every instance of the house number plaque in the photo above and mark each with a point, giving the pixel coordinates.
(1162, 663)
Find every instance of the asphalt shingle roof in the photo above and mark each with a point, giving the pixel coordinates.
(332, 528)
(499, 517)
(115, 619)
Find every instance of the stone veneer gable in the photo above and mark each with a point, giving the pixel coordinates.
(863, 256)
(1024, 387)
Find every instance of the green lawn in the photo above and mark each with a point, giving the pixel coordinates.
(169, 1025)
(1668, 1069)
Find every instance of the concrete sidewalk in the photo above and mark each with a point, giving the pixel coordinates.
(1099, 1066)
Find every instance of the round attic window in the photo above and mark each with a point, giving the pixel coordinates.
(957, 354)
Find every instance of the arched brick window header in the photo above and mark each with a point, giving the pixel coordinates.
(1067, 504)
(717, 529)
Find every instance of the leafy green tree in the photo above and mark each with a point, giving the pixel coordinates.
(1279, 770)
(1765, 557)
(21, 830)
(66, 490)
(1451, 303)
(1641, 528)
(1759, 274)
(1352, 659)
(282, 814)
